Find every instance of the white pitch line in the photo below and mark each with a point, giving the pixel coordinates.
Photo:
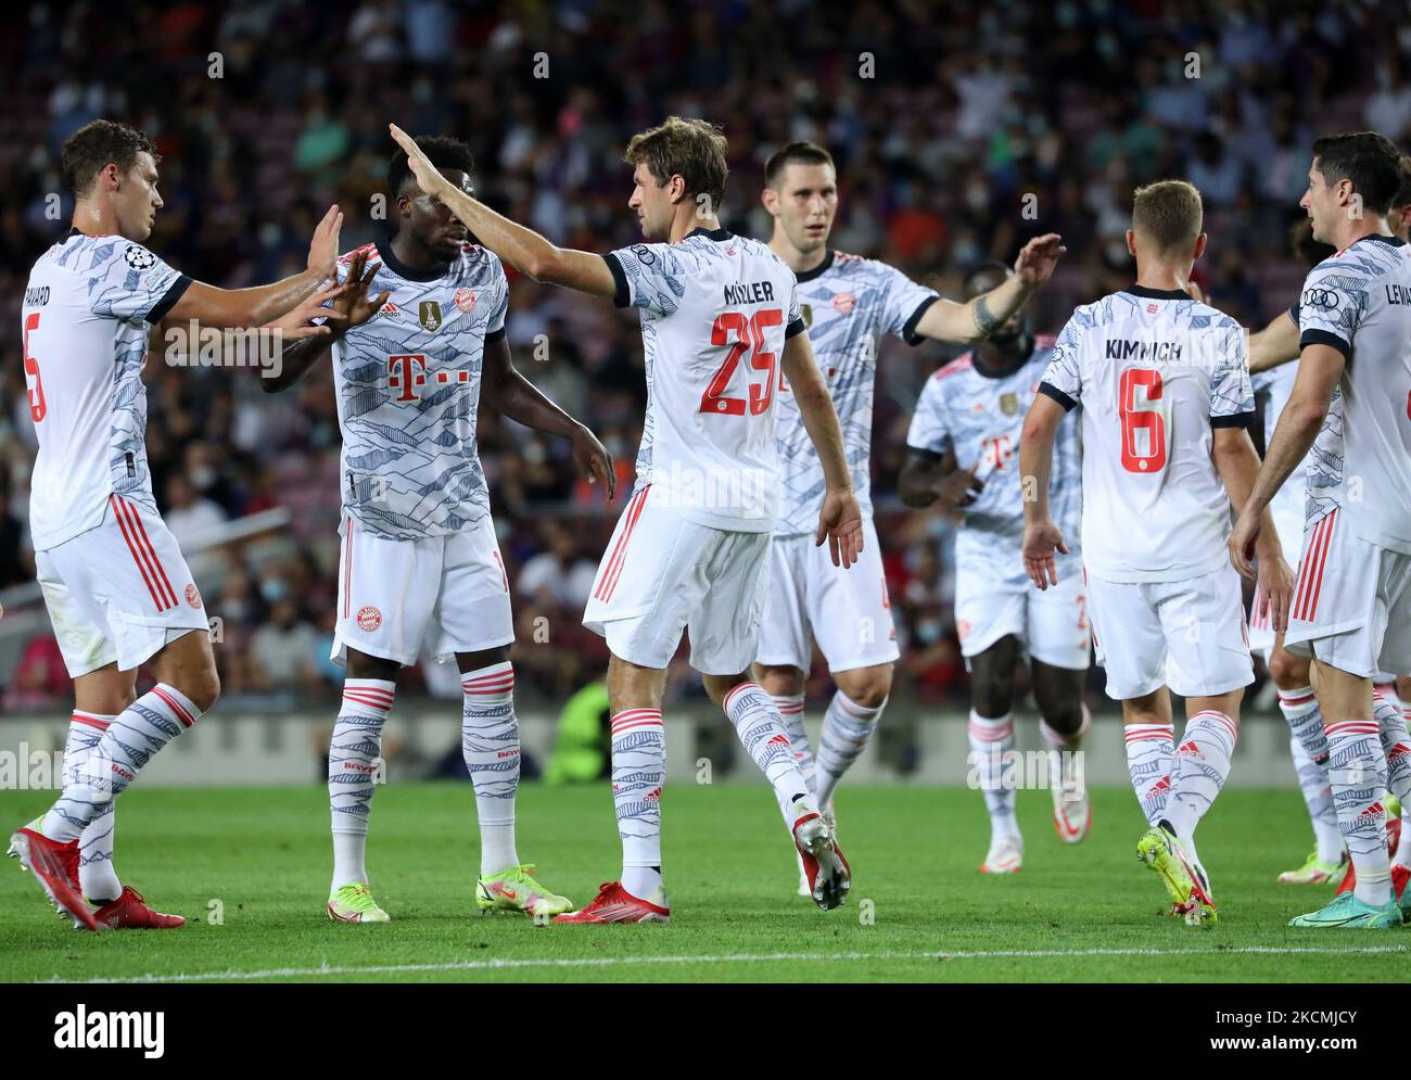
(326, 970)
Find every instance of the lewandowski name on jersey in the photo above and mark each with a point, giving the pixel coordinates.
(408, 390)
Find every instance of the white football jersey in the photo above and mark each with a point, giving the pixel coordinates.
(1359, 302)
(980, 416)
(408, 388)
(1155, 372)
(85, 320)
(848, 302)
(1286, 507)
(716, 311)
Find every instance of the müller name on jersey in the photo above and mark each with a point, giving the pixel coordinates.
(749, 292)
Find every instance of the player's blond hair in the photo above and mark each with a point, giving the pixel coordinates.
(1169, 213)
(692, 149)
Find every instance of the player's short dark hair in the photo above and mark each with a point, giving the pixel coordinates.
(1169, 212)
(94, 146)
(444, 151)
(1371, 161)
(695, 150)
(970, 286)
(795, 153)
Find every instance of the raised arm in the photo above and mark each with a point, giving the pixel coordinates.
(504, 389)
(840, 519)
(1276, 344)
(961, 324)
(524, 249)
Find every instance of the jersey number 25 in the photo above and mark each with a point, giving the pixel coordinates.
(748, 333)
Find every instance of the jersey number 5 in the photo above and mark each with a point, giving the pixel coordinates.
(37, 408)
(747, 333)
(1135, 419)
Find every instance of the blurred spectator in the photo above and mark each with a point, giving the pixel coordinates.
(282, 650)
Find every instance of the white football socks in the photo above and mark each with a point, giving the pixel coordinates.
(97, 876)
(791, 711)
(1309, 744)
(761, 731)
(490, 746)
(847, 728)
(990, 740)
(354, 758)
(638, 774)
(114, 762)
(1357, 769)
(1151, 753)
(1201, 768)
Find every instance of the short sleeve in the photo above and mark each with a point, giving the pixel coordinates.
(128, 281)
(1231, 391)
(903, 304)
(794, 324)
(648, 276)
(1063, 378)
(495, 328)
(1331, 306)
(928, 430)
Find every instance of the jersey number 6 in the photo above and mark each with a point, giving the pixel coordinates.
(747, 333)
(1136, 419)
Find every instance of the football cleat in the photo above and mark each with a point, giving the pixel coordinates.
(354, 904)
(614, 904)
(1185, 880)
(1399, 876)
(1072, 813)
(830, 816)
(516, 890)
(828, 872)
(1315, 871)
(55, 867)
(130, 912)
(1346, 912)
(1006, 856)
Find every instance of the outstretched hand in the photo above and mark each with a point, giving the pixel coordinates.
(1038, 258)
(428, 177)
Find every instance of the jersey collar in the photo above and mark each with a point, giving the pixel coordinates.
(820, 269)
(721, 234)
(1156, 294)
(1394, 241)
(401, 269)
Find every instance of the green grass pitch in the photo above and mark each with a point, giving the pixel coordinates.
(919, 911)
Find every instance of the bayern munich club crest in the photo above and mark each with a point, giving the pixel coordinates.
(369, 619)
(465, 300)
(844, 302)
(193, 595)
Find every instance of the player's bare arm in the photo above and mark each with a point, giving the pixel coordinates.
(928, 478)
(351, 307)
(504, 389)
(1043, 540)
(524, 249)
(1238, 465)
(961, 324)
(840, 519)
(1319, 369)
(262, 304)
(1276, 344)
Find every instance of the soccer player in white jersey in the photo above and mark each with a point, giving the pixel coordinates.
(848, 303)
(1166, 402)
(420, 562)
(1269, 350)
(116, 586)
(1351, 407)
(963, 449)
(721, 326)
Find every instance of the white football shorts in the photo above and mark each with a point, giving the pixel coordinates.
(119, 592)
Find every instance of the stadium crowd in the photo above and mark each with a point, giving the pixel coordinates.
(955, 143)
